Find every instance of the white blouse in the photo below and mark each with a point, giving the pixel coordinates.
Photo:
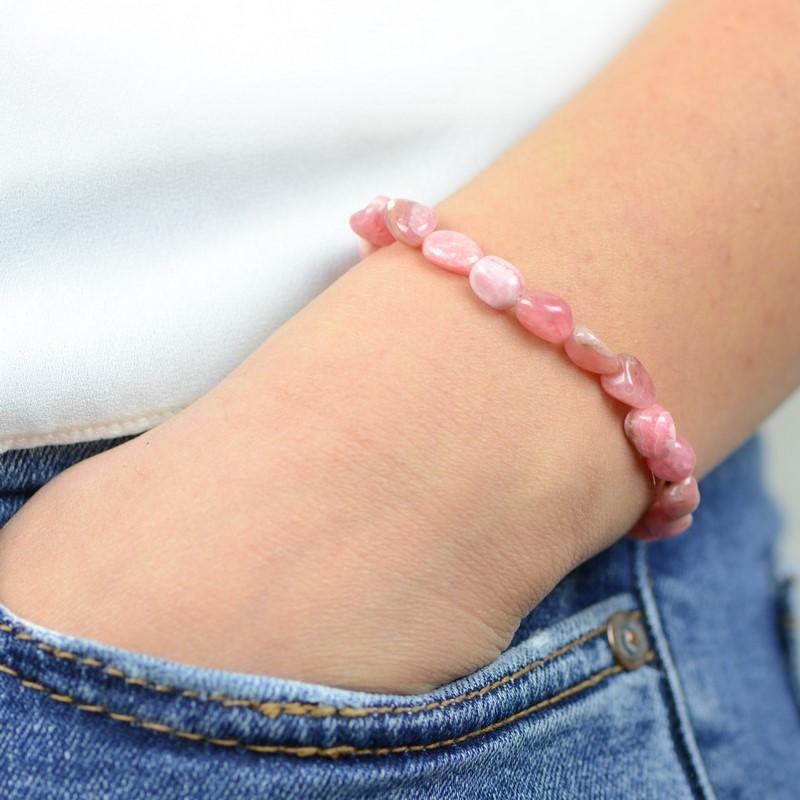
(176, 178)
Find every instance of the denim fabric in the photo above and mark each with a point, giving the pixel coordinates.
(22, 472)
(708, 709)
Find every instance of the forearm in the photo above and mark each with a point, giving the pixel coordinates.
(664, 202)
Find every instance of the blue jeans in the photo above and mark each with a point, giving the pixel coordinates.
(661, 670)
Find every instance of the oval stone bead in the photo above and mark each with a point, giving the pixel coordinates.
(588, 352)
(651, 430)
(548, 316)
(677, 499)
(652, 529)
(631, 384)
(408, 221)
(370, 222)
(451, 250)
(496, 281)
(678, 464)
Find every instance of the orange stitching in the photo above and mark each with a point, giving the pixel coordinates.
(325, 752)
(275, 709)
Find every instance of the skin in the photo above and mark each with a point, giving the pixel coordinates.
(379, 493)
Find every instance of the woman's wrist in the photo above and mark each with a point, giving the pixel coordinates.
(444, 412)
(400, 404)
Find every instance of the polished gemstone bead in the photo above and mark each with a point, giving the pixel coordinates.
(631, 384)
(496, 281)
(370, 222)
(651, 528)
(451, 250)
(548, 316)
(590, 353)
(677, 499)
(677, 464)
(651, 430)
(409, 222)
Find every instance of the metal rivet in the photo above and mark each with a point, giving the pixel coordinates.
(628, 639)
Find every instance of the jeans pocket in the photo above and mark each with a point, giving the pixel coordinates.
(559, 714)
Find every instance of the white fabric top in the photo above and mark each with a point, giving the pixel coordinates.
(176, 178)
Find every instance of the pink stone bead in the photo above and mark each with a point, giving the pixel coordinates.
(677, 499)
(588, 352)
(651, 529)
(651, 430)
(632, 384)
(409, 222)
(678, 463)
(496, 281)
(370, 222)
(451, 250)
(548, 316)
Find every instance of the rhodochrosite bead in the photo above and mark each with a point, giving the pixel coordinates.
(677, 464)
(632, 384)
(496, 281)
(651, 430)
(548, 316)
(370, 222)
(677, 499)
(654, 528)
(409, 222)
(588, 352)
(451, 250)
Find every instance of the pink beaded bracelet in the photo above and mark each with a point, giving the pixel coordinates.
(648, 426)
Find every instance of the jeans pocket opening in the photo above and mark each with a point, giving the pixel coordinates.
(267, 715)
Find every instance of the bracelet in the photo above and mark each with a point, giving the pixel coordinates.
(649, 427)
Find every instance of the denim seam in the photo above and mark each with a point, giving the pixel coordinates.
(304, 751)
(275, 709)
(698, 774)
